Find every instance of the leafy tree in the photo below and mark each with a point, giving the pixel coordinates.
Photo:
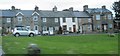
(116, 8)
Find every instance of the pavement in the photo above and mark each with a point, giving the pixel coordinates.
(1, 51)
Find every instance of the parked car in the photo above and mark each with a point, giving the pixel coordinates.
(19, 31)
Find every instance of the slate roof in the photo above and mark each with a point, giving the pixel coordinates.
(80, 14)
(56, 14)
(45, 13)
(7, 13)
(97, 10)
(26, 13)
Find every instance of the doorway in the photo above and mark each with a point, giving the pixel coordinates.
(104, 27)
(74, 28)
(51, 30)
(36, 29)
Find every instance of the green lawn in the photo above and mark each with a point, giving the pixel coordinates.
(0, 40)
(83, 44)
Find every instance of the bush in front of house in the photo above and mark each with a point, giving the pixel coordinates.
(111, 34)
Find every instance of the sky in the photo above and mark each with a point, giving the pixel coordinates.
(60, 4)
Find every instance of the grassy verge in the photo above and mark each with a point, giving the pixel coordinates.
(83, 44)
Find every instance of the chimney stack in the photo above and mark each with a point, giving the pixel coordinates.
(55, 9)
(36, 8)
(103, 7)
(85, 7)
(71, 9)
(13, 7)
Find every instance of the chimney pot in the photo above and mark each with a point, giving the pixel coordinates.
(103, 7)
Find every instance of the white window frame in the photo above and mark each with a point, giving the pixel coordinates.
(44, 19)
(35, 18)
(88, 26)
(28, 27)
(73, 19)
(44, 28)
(109, 16)
(80, 20)
(64, 19)
(110, 25)
(70, 28)
(89, 20)
(97, 17)
(35, 27)
(98, 26)
(56, 28)
(8, 20)
(19, 18)
(56, 19)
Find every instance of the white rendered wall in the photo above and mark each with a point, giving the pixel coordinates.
(69, 23)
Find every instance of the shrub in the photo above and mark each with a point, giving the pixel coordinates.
(111, 35)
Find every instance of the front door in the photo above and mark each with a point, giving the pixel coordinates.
(36, 29)
(104, 27)
(50, 30)
(74, 28)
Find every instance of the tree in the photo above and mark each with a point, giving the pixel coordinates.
(116, 8)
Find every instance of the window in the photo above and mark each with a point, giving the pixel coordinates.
(80, 20)
(105, 17)
(97, 17)
(44, 19)
(56, 19)
(88, 26)
(70, 28)
(110, 25)
(36, 27)
(98, 27)
(44, 28)
(56, 28)
(20, 28)
(89, 20)
(64, 20)
(28, 27)
(73, 19)
(19, 18)
(8, 20)
(109, 16)
(35, 18)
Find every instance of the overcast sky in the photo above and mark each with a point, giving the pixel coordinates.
(49, 4)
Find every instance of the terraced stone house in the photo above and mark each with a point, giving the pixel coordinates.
(102, 18)
(70, 20)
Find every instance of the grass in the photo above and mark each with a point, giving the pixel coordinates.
(0, 41)
(83, 44)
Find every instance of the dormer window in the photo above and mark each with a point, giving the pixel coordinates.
(19, 18)
(35, 18)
